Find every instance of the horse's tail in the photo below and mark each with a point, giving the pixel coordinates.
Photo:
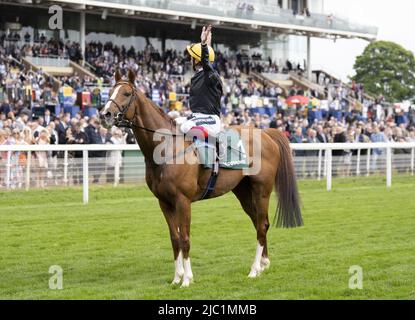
(288, 213)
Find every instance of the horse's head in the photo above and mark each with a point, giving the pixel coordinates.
(118, 109)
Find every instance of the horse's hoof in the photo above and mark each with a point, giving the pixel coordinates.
(177, 278)
(255, 272)
(186, 282)
(265, 263)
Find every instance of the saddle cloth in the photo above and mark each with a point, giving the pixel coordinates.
(231, 153)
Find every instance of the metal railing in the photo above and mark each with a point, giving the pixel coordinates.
(369, 158)
(28, 166)
(49, 61)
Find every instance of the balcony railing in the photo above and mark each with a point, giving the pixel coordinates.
(49, 61)
(255, 10)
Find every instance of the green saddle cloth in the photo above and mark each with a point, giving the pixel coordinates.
(232, 153)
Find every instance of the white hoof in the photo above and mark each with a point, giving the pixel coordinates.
(177, 279)
(255, 271)
(265, 263)
(186, 282)
(257, 267)
(188, 274)
(179, 269)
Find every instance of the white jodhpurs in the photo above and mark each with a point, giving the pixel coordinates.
(210, 122)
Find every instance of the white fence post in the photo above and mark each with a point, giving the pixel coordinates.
(85, 176)
(320, 153)
(368, 162)
(117, 168)
(329, 168)
(388, 167)
(325, 163)
(28, 169)
(8, 169)
(358, 162)
(412, 160)
(65, 167)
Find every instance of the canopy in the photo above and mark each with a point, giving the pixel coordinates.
(297, 100)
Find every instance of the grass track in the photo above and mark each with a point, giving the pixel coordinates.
(118, 246)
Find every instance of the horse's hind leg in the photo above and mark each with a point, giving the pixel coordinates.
(261, 261)
(255, 202)
(183, 209)
(172, 221)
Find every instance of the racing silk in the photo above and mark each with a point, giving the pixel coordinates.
(206, 88)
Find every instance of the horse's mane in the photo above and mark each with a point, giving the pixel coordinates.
(142, 96)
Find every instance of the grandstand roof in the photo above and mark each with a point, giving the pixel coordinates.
(192, 12)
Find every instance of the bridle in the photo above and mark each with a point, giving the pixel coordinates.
(119, 118)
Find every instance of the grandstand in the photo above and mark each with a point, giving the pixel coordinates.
(276, 34)
(280, 29)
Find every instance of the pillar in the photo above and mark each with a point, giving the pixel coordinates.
(309, 58)
(285, 4)
(163, 42)
(82, 34)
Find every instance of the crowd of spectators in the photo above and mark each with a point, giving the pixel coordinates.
(40, 47)
(338, 120)
(62, 129)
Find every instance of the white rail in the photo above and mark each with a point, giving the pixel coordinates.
(321, 163)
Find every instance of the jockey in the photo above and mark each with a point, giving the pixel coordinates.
(205, 91)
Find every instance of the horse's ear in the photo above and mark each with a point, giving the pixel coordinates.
(117, 75)
(131, 76)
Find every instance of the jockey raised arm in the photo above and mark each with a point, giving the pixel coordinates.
(205, 89)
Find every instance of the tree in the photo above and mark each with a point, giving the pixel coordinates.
(385, 68)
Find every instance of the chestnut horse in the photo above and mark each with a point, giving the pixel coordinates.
(176, 186)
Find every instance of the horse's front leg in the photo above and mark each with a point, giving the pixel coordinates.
(183, 210)
(172, 221)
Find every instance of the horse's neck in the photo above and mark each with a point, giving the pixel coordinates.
(147, 116)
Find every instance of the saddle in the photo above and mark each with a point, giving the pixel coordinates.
(224, 151)
(227, 148)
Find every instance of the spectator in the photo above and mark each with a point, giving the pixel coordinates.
(312, 138)
(42, 159)
(63, 125)
(299, 138)
(321, 135)
(97, 163)
(377, 136)
(339, 137)
(114, 157)
(78, 137)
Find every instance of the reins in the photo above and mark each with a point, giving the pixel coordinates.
(122, 121)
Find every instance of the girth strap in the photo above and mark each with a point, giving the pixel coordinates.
(212, 180)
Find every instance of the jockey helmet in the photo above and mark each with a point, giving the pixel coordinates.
(195, 51)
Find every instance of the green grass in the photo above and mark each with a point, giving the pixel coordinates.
(118, 246)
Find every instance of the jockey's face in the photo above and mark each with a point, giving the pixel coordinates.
(195, 64)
